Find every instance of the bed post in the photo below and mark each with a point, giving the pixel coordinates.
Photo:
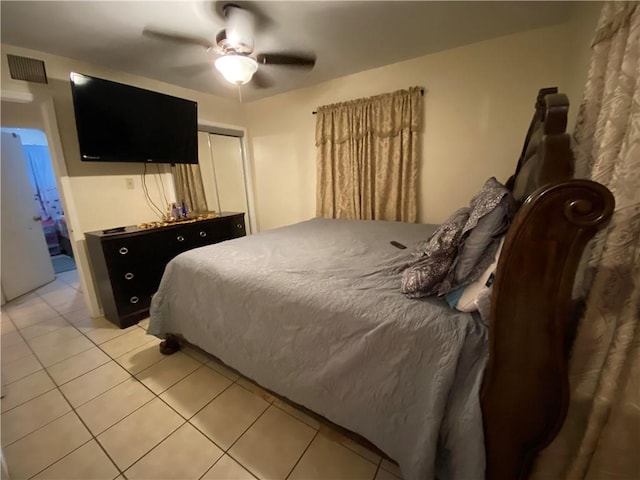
(525, 391)
(170, 345)
(539, 114)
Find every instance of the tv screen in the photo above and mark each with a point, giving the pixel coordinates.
(121, 123)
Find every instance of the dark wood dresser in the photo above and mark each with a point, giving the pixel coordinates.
(128, 265)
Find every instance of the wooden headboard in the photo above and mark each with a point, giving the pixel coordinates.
(525, 392)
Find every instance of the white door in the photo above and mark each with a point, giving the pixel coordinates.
(26, 264)
(223, 176)
(227, 163)
(206, 169)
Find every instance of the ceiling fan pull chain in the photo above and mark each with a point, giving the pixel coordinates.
(240, 92)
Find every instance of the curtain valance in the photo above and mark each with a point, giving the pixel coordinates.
(383, 115)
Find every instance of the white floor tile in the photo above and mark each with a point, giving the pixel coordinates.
(226, 418)
(10, 339)
(30, 416)
(15, 352)
(31, 315)
(25, 389)
(257, 389)
(223, 369)
(44, 327)
(88, 462)
(20, 368)
(326, 459)
(141, 358)
(51, 350)
(135, 435)
(93, 383)
(112, 406)
(227, 469)
(41, 448)
(194, 391)
(72, 367)
(186, 454)
(168, 372)
(100, 330)
(273, 444)
(125, 343)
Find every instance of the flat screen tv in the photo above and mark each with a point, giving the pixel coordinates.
(121, 123)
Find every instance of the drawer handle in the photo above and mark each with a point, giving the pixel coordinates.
(128, 276)
(203, 234)
(123, 251)
(134, 299)
(180, 238)
(239, 226)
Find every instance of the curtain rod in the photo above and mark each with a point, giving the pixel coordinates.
(421, 93)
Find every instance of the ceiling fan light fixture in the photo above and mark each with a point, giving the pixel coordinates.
(236, 69)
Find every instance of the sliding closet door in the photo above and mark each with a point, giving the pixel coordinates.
(206, 169)
(229, 172)
(223, 176)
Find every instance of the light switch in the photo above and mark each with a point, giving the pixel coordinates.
(129, 183)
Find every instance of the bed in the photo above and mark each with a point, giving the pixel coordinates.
(57, 236)
(63, 236)
(314, 313)
(51, 236)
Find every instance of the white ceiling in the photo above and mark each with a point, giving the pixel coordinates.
(347, 37)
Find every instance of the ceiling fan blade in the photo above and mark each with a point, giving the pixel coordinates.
(304, 61)
(177, 38)
(261, 80)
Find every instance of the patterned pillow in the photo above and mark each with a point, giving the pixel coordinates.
(433, 258)
(491, 212)
(462, 247)
(489, 228)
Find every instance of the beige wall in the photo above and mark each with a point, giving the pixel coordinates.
(99, 188)
(477, 105)
(21, 115)
(96, 194)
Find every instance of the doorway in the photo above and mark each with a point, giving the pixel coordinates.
(26, 263)
(47, 206)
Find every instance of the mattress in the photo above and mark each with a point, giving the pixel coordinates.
(313, 311)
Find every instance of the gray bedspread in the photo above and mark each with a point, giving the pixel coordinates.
(313, 311)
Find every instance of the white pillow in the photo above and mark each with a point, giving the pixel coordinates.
(473, 292)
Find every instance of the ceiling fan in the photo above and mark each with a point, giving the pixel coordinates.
(234, 47)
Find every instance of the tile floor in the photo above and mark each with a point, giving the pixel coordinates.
(85, 400)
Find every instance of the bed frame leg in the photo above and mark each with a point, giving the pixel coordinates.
(169, 345)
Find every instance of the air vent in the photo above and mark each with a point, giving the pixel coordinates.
(29, 69)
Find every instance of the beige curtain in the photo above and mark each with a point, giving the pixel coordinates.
(367, 153)
(189, 187)
(601, 435)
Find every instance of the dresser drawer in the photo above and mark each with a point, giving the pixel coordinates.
(128, 266)
(229, 228)
(136, 301)
(136, 281)
(125, 254)
(175, 241)
(199, 234)
(221, 230)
